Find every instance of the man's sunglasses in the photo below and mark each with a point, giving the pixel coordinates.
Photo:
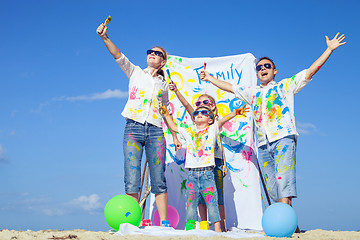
(157, 53)
(266, 65)
(203, 112)
(205, 102)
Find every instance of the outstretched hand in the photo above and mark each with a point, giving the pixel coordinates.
(242, 111)
(335, 42)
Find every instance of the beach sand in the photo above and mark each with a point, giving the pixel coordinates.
(89, 235)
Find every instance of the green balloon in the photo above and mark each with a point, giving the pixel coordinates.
(122, 209)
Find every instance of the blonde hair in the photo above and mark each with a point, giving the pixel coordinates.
(160, 71)
(213, 101)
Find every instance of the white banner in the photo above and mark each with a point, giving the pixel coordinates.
(242, 195)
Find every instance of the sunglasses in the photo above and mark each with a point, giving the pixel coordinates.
(205, 102)
(203, 112)
(157, 53)
(266, 65)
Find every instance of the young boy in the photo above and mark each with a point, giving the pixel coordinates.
(200, 161)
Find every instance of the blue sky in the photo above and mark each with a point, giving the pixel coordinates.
(61, 95)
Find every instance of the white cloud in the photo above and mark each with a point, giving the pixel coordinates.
(24, 202)
(96, 96)
(88, 204)
(306, 128)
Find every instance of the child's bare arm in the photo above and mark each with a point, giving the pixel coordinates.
(240, 111)
(184, 102)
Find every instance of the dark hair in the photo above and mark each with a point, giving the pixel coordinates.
(266, 58)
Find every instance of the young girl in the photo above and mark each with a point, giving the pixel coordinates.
(143, 121)
(200, 160)
(220, 169)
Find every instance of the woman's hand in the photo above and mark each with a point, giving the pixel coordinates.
(101, 30)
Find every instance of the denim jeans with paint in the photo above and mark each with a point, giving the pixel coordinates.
(277, 160)
(138, 136)
(201, 184)
(219, 181)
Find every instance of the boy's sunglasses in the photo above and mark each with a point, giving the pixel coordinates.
(205, 102)
(266, 65)
(203, 112)
(157, 53)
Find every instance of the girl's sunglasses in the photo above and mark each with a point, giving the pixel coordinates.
(205, 102)
(203, 112)
(157, 53)
(266, 65)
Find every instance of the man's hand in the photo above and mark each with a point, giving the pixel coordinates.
(205, 75)
(335, 42)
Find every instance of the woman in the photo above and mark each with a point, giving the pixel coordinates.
(143, 122)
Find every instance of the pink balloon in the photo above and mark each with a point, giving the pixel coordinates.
(172, 216)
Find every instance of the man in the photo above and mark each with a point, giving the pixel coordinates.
(273, 107)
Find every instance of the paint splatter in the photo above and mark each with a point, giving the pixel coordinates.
(208, 194)
(191, 193)
(136, 146)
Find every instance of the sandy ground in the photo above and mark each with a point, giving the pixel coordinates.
(89, 235)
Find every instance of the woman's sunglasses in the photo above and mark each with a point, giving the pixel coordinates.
(203, 112)
(205, 102)
(157, 53)
(266, 65)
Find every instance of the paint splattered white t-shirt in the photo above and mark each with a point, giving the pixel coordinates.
(142, 104)
(200, 145)
(273, 106)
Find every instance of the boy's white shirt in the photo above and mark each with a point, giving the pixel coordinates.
(200, 145)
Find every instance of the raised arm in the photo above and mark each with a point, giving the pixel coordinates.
(331, 46)
(101, 31)
(184, 102)
(169, 121)
(240, 111)
(226, 86)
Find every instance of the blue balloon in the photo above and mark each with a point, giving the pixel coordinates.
(279, 220)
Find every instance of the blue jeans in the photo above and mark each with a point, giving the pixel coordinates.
(219, 181)
(138, 136)
(277, 160)
(201, 184)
